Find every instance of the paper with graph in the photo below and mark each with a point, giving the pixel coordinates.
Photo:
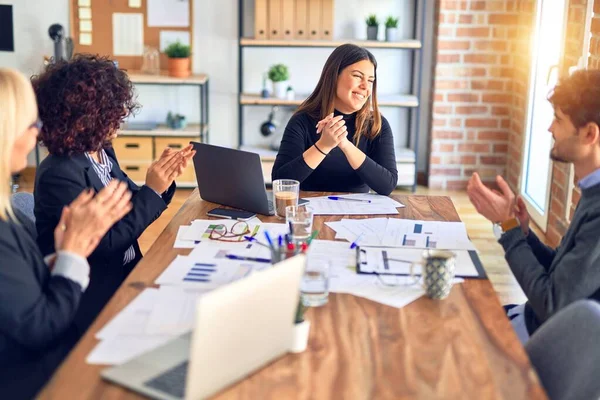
(395, 232)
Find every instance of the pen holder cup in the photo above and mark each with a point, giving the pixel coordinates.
(280, 253)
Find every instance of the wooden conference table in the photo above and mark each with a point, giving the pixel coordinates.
(460, 347)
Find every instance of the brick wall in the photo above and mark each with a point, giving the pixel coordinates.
(481, 89)
(473, 89)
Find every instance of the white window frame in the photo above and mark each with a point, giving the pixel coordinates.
(540, 219)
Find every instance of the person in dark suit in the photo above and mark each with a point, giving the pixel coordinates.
(82, 104)
(40, 296)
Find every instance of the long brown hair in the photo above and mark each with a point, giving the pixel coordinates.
(320, 103)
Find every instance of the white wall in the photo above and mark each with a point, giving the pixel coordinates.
(31, 20)
(215, 53)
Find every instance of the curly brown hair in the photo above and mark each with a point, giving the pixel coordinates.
(578, 96)
(82, 103)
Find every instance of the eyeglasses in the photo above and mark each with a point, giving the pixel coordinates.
(235, 234)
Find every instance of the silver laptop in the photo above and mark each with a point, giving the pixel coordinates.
(239, 328)
(233, 178)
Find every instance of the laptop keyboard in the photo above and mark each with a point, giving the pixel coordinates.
(172, 381)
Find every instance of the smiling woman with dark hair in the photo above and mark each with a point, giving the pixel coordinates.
(82, 104)
(338, 140)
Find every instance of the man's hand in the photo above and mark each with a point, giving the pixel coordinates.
(493, 205)
(522, 215)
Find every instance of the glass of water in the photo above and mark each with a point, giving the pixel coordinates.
(314, 288)
(300, 221)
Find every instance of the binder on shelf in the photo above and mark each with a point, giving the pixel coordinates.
(327, 19)
(261, 26)
(301, 22)
(314, 19)
(275, 14)
(288, 14)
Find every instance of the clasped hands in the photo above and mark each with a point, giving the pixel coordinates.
(334, 133)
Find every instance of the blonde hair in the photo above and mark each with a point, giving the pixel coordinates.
(18, 109)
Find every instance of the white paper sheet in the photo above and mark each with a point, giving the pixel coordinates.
(181, 243)
(122, 348)
(84, 3)
(85, 26)
(426, 235)
(324, 206)
(168, 13)
(174, 312)
(128, 34)
(186, 271)
(125, 337)
(133, 318)
(85, 13)
(394, 232)
(85, 39)
(200, 229)
(216, 250)
(387, 260)
(169, 37)
(372, 197)
(135, 3)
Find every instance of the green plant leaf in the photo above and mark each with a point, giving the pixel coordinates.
(177, 50)
(372, 20)
(279, 73)
(391, 22)
(300, 312)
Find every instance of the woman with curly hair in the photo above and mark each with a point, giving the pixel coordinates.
(39, 297)
(82, 104)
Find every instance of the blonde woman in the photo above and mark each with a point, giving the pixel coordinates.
(39, 297)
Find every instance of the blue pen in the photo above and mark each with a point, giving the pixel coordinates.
(355, 243)
(252, 239)
(242, 258)
(280, 240)
(347, 199)
(269, 240)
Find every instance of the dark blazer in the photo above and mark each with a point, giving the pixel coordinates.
(36, 314)
(58, 181)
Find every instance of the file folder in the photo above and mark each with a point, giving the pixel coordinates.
(275, 25)
(314, 19)
(288, 11)
(261, 27)
(327, 19)
(301, 24)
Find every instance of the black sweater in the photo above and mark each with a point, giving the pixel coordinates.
(335, 174)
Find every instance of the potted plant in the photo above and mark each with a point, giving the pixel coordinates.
(279, 75)
(179, 60)
(176, 121)
(290, 94)
(391, 29)
(372, 27)
(301, 330)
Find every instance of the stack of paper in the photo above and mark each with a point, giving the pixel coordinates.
(399, 260)
(344, 279)
(394, 232)
(152, 319)
(347, 204)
